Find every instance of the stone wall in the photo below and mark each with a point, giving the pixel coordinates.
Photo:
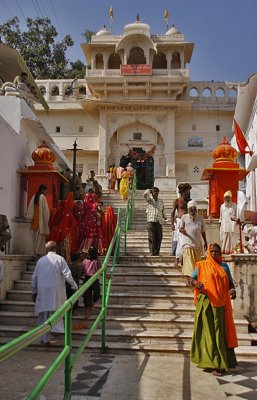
(244, 271)
(13, 267)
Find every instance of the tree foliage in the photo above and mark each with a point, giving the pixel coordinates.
(44, 56)
(87, 34)
(78, 70)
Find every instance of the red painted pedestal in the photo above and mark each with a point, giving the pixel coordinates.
(44, 173)
(224, 175)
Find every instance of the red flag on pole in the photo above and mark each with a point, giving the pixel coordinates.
(241, 140)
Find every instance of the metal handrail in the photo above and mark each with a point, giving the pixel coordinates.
(129, 212)
(65, 311)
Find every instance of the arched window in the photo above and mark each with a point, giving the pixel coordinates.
(206, 92)
(82, 90)
(42, 90)
(232, 92)
(220, 92)
(159, 61)
(114, 61)
(193, 92)
(55, 91)
(175, 61)
(136, 56)
(99, 62)
(68, 91)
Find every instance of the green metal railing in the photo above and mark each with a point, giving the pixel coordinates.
(65, 311)
(129, 212)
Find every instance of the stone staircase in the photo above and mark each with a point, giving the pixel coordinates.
(150, 309)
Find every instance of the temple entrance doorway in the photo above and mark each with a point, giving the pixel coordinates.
(143, 165)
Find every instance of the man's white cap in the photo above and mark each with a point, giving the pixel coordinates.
(191, 203)
(228, 193)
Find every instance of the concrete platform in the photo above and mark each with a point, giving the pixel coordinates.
(126, 377)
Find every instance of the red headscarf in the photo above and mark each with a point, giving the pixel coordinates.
(63, 222)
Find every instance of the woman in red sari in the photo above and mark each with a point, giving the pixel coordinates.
(62, 224)
(90, 233)
(89, 203)
(109, 225)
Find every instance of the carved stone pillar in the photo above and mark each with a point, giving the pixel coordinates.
(170, 144)
(103, 140)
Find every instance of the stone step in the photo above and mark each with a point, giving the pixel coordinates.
(130, 286)
(16, 305)
(154, 322)
(162, 309)
(159, 277)
(22, 295)
(151, 299)
(165, 251)
(138, 241)
(135, 337)
(120, 298)
(242, 352)
(171, 272)
(149, 287)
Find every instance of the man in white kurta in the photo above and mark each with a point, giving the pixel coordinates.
(227, 225)
(193, 230)
(48, 286)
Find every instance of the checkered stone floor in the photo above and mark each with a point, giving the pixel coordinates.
(242, 382)
(88, 384)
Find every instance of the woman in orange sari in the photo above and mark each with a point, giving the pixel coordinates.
(214, 337)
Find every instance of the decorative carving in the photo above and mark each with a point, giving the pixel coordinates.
(224, 152)
(141, 156)
(43, 155)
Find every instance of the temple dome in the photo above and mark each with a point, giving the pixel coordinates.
(103, 31)
(43, 155)
(174, 32)
(224, 152)
(138, 27)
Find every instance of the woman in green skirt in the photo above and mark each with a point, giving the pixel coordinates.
(214, 337)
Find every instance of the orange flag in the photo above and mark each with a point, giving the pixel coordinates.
(241, 140)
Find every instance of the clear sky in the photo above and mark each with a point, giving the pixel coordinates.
(224, 31)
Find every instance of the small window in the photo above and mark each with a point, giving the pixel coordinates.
(137, 136)
(217, 128)
(196, 169)
(79, 168)
(194, 127)
(81, 128)
(57, 129)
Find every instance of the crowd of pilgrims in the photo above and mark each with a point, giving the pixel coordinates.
(78, 225)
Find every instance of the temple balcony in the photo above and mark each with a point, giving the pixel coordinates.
(182, 73)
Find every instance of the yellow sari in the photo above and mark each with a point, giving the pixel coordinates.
(124, 185)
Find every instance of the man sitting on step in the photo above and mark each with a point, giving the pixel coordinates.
(155, 217)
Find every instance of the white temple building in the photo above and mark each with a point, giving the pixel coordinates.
(137, 104)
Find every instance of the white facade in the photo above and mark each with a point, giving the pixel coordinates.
(137, 96)
(246, 117)
(21, 134)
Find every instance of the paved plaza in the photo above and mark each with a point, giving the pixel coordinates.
(127, 377)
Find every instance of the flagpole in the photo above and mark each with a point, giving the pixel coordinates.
(111, 17)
